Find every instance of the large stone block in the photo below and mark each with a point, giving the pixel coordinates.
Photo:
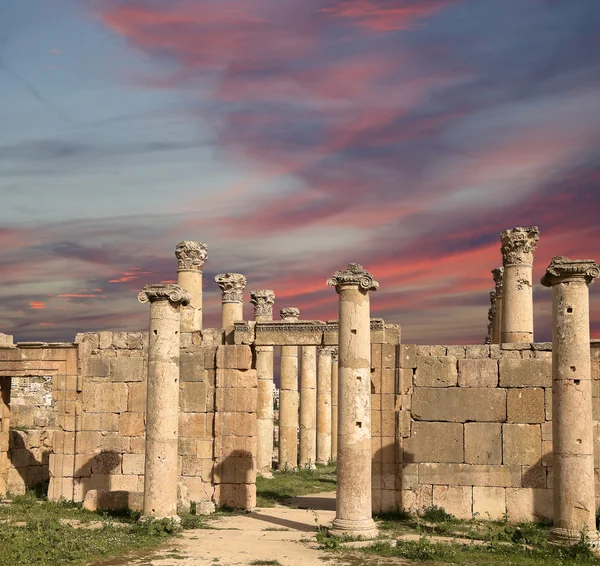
(489, 502)
(105, 397)
(434, 442)
(408, 356)
(193, 397)
(526, 406)
(459, 404)
(456, 500)
(136, 397)
(128, 369)
(522, 444)
(414, 501)
(529, 504)
(234, 357)
(192, 366)
(102, 422)
(483, 443)
(132, 424)
(525, 373)
(478, 373)
(435, 372)
(469, 474)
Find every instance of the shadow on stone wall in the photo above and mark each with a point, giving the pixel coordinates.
(29, 457)
(235, 481)
(96, 472)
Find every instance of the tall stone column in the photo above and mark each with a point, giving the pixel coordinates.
(190, 262)
(518, 247)
(263, 300)
(162, 405)
(498, 274)
(491, 319)
(334, 403)
(308, 407)
(353, 503)
(288, 399)
(324, 405)
(232, 287)
(572, 424)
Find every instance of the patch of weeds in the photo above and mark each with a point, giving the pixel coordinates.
(276, 529)
(286, 484)
(265, 563)
(435, 514)
(189, 521)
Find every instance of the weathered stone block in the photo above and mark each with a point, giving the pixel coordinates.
(457, 352)
(548, 402)
(105, 339)
(105, 397)
(192, 425)
(526, 405)
(459, 404)
(434, 442)
(106, 463)
(522, 444)
(525, 373)
(533, 476)
(478, 373)
(414, 501)
(435, 372)
(192, 366)
(483, 443)
(470, 474)
(389, 356)
(128, 369)
(234, 357)
(478, 351)
(456, 500)
(408, 356)
(406, 376)
(102, 422)
(489, 502)
(133, 464)
(439, 351)
(100, 500)
(132, 424)
(529, 504)
(193, 397)
(136, 397)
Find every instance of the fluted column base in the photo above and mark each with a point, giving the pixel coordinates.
(362, 528)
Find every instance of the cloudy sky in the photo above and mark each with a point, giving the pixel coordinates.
(293, 137)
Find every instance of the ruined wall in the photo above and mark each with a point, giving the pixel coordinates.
(102, 446)
(474, 429)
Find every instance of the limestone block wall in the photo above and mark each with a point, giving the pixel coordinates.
(474, 429)
(28, 459)
(102, 446)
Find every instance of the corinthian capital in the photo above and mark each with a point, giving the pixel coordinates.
(518, 245)
(263, 300)
(563, 269)
(232, 287)
(291, 314)
(327, 350)
(498, 275)
(355, 275)
(173, 293)
(190, 255)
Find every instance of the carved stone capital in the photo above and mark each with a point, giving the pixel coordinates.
(191, 255)
(355, 275)
(334, 353)
(563, 269)
(518, 245)
(498, 275)
(263, 300)
(289, 314)
(232, 287)
(327, 350)
(173, 293)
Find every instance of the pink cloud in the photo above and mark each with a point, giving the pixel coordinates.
(37, 305)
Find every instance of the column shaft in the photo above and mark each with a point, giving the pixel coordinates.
(324, 406)
(264, 409)
(288, 408)
(232, 287)
(334, 406)
(308, 407)
(190, 261)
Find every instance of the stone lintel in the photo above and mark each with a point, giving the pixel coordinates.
(32, 345)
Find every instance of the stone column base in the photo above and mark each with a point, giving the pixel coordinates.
(564, 537)
(364, 529)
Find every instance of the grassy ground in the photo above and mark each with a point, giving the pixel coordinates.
(285, 485)
(494, 543)
(35, 531)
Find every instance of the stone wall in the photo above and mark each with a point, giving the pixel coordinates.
(474, 429)
(102, 446)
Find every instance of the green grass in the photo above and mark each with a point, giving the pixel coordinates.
(265, 563)
(285, 484)
(31, 532)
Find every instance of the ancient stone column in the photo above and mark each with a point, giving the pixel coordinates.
(498, 274)
(572, 424)
(288, 399)
(162, 405)
(263, 300)
(491, 319)
(308, 407)
(353, 503)
(518, 246)
(232, 287)
(190, 261)
(334, 403)
(324, 405)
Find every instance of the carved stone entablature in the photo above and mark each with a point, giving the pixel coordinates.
(327, 350)
(191, 255)
(518, 245)
(263, 300)
(289, 314)
(355, 275)
(563, 269)
(375, 324)
(498, 275)
(174, 293)
(232, 287)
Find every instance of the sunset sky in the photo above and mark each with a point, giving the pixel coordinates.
(293, 137)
